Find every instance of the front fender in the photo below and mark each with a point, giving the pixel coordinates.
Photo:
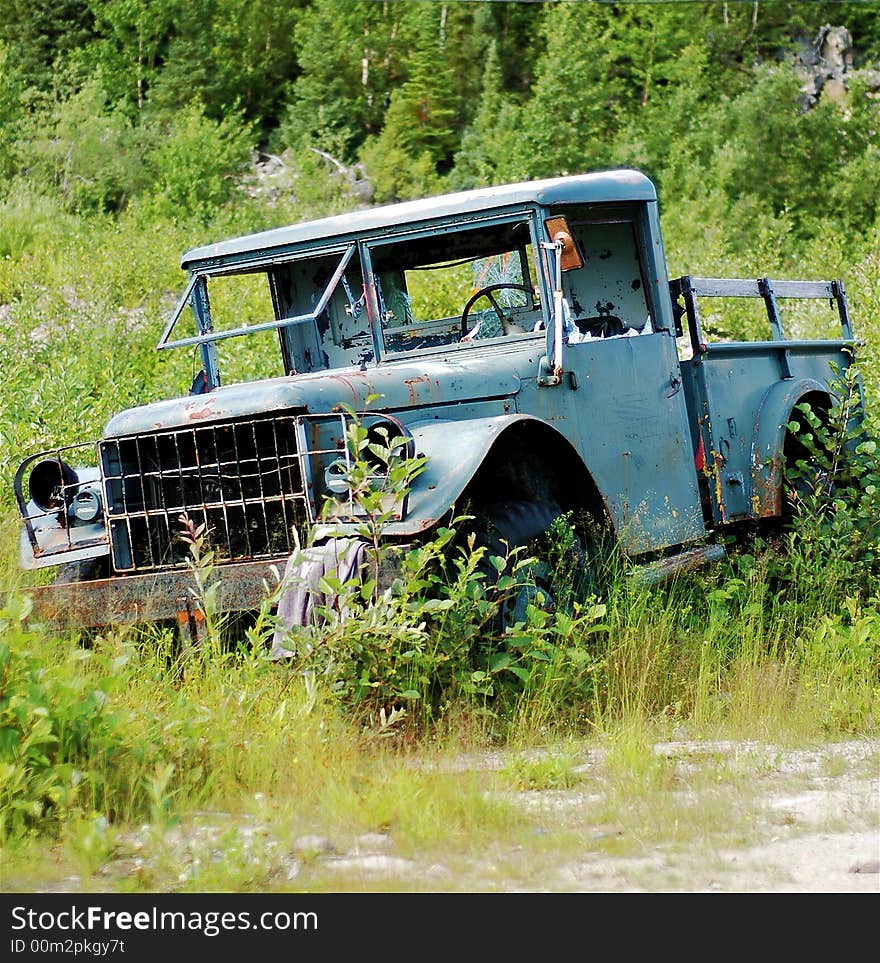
(454, 450)
(768, 440)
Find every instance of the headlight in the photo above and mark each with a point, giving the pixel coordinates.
(86, 506)
(49, 483)
(336, 476)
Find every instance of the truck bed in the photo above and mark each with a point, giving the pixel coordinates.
(734, 389)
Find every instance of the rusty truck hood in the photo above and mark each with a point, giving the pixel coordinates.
(398, 385)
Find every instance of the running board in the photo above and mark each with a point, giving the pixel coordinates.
(664, 568)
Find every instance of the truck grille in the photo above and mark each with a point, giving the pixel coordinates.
(241, 479)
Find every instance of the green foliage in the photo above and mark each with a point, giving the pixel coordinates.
(43, 37)
(416, 93)
(47, 399)
(580, 100)
(235, 56)
(484, 157)
(94, 159)
(27, 219)
(11, 94)
(543, 771)
(195, 162)
(397, 175)
(834, 484)
(57, 737)
(419, 136)
(349, 56)
(87, 154)
(127, 47)
(436, 632)
(788, 148)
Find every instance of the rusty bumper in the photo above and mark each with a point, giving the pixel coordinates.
(129, 599)
(174, 595)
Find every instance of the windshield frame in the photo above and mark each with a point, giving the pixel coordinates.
(448, 226)
(195, 296)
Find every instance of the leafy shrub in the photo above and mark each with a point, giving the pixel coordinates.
(87, 153)
(437, 632)
(27, 220)
(193, 164)
(835, 489)
(57, 736)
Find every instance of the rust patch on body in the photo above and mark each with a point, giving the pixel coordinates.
(198, 411)
(411, 388)
(767, 488)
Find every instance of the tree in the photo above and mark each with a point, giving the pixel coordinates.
(11, 113)
(486, 155)
(349, 56)
(240, 52)
(129, 47)
(42, 35)
(420, 124)
(85, 152)
(194, 163)
(601, 65)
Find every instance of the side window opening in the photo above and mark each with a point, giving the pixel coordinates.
(244, 300)
(300, 314)
(608, 295)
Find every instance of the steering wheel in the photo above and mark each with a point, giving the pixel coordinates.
(488, 292)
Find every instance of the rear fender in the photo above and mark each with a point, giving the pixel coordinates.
(768, 441)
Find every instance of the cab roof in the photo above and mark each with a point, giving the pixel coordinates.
(600, 186)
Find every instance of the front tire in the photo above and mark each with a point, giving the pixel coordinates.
(504, 526)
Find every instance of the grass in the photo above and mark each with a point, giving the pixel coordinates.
(143, 766)
(380, 823)
(139, 769)
(126, 766)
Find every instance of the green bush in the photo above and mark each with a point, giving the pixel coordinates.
(442, 630)
(834, 485)
(88, 153)
(196, 162)
(58, 737)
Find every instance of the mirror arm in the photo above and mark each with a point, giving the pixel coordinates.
(558, 309)
(554, 377)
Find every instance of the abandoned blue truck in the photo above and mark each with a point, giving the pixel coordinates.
(525, 340)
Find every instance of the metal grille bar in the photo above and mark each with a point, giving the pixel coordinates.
(240, 479)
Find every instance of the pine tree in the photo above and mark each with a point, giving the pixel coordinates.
(421, 124)
(349, 55)
(486, 155)
(42, 36)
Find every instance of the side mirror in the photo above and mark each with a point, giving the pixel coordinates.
(557, 228)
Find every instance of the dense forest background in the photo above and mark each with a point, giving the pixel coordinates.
(132, 130)
(107, 105)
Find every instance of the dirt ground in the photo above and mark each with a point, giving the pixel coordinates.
(815, 828)
(813, 818)
(728, 817)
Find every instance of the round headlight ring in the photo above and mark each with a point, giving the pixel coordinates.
(336, 477)
(86, 506)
